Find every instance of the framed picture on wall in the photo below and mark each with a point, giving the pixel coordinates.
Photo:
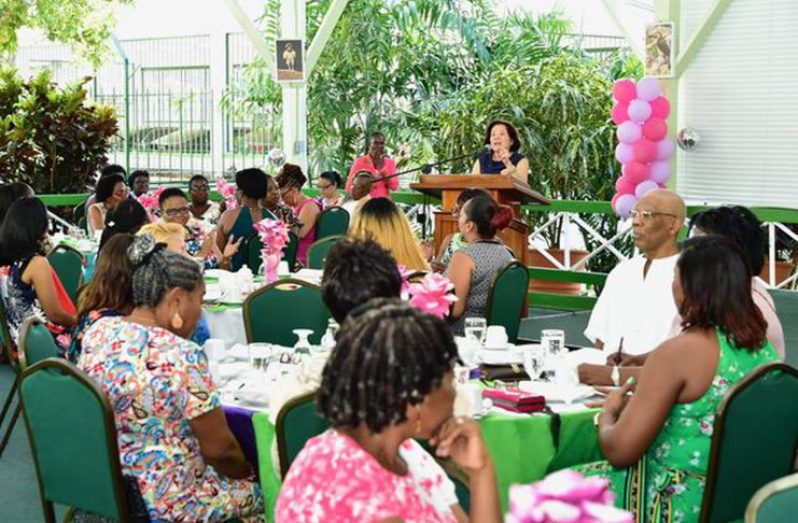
(659, 50)
(290, 60)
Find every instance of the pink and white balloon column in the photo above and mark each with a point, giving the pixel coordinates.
(640, 112)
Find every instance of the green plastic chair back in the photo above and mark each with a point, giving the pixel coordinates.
(83, 224)
(79, 214)
(255, 259)
(753, 442)
(73, 440)
(333, 221)
(36, 343)
(273, 312)
(296, 423)
(68, 264)
(775, 502)
(786, 303)
(318, 251)
(507, 297)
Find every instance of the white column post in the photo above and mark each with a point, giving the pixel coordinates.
(218, 84)
(295, 118)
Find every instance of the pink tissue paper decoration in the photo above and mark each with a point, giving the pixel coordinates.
(433, 295)
(274, 237)
(150, 202)
(228, 192)
(565, 496)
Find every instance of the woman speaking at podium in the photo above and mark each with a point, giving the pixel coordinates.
(501, 155)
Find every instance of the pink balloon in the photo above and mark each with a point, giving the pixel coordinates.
(623, 153)
(624, 90)
(639, 110)
(636, 172)
(660, 172)
(660, 107)
(655, 129)
(624, 205)
(629, 133)
(619, 113)
(624, 186)
(644, 187)
(615, 199)
(664, 149)
(648, 89)
(644, 151)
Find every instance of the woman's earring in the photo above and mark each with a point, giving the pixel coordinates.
(418, 425)
(177, 322)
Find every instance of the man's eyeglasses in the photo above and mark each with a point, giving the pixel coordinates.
(175, 212)
(645, 215)
(200, 188)
(324, 187)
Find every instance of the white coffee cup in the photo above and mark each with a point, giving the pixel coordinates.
(496, 336)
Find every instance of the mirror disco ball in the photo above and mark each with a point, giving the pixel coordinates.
(688, 139)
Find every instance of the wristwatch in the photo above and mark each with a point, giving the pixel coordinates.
(615, 376)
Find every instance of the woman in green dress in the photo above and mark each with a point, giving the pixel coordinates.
(657, 440)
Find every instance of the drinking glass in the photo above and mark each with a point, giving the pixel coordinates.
(259, 354)
(475, 329)
(533, 360)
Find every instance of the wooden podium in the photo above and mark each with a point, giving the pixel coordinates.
(506, 190)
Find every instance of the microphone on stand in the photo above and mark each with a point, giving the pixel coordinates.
(427, 167)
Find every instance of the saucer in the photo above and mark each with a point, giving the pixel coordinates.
(495, 345)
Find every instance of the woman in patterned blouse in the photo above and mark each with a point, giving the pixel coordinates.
(172, 434)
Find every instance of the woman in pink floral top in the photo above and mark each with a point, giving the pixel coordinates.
(172, 433)
(388, 382)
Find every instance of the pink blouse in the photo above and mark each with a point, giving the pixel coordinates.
(381, 189)
(334, 480)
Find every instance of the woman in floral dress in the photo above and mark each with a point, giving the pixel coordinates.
(172, 433)
(658, 439)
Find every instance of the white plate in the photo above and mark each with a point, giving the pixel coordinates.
(215, 273)
(498, 346)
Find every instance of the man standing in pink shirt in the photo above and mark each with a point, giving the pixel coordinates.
(380, 166)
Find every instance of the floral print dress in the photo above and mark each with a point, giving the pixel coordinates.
(333, 480)
(157, 382)
(667, 484)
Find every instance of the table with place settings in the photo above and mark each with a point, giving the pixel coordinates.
(524, 447)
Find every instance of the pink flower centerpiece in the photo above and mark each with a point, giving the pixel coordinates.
(433, 295)
(228, 192)
(274, 236)
(565, 497)
(150, 202)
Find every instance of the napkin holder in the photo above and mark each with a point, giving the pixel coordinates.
(515, 400)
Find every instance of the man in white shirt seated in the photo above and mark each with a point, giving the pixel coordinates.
(361, 189)
(636, 310)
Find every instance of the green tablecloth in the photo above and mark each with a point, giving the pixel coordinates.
(522, 448)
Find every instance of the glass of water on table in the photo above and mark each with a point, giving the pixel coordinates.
(476, 328)
(553, 344)
(259, 355)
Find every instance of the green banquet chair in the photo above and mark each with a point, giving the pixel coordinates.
(73, 440)
(9, 353)
(786, 303)
(35, 344)
(254, 247)
(775, 502)
(753, 441)
(333, 221)
(274, 311)
(297, 422)
(507, 297)
(319, 249)
(68, 265)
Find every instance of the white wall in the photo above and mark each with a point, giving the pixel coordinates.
(739, 93)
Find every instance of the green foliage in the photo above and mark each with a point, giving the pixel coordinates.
(83, 24)
(51, 138)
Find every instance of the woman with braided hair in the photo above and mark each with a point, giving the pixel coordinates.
(389, 382)
(172, 434)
